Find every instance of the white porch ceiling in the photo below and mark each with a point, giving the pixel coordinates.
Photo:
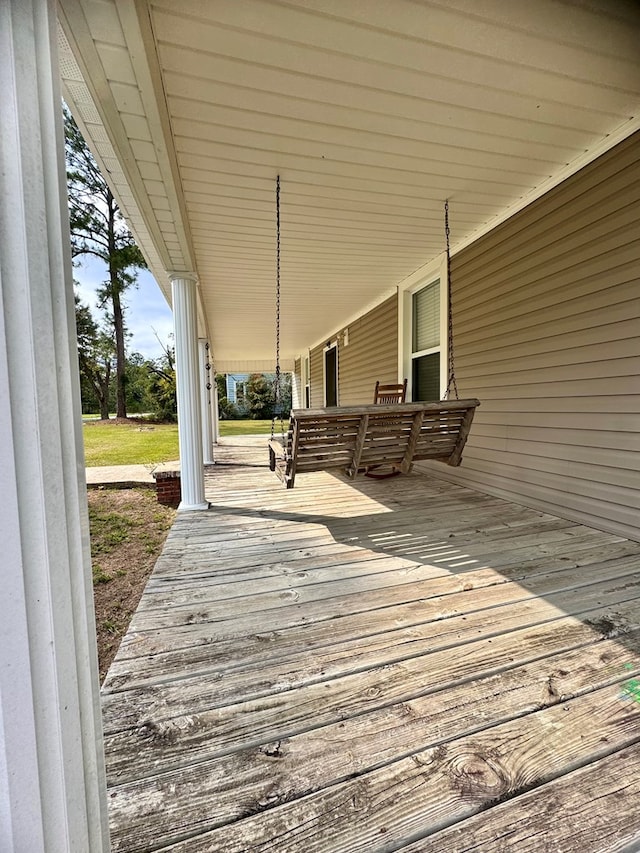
(372, 112)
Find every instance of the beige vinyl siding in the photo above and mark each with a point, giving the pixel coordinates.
(547, 335)
(371, 354)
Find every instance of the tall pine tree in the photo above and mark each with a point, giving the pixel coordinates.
(98, 229)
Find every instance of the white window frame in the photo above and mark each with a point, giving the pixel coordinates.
(296, 386)
(425, 276)
(302, 382)
(329, 346)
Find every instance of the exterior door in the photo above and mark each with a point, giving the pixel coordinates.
(331, 375)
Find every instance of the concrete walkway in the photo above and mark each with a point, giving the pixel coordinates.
(125, 475)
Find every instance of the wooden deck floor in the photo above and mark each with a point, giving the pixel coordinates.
(377, 666)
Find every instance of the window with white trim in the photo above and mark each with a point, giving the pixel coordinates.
(425, 342)
(422, 331)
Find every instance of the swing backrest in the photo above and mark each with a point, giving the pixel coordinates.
(357, 437)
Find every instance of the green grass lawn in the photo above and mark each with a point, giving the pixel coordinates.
(249, 427)
(107, 443)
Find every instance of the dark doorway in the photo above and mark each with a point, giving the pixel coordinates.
(331, 376)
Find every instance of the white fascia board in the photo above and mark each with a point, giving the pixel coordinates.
(138, 32)
(75, 35)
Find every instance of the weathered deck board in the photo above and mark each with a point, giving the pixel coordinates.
(137, 719)
(601, 799)
(230, 789)
(288, 666)
(260, 649)
(432, 788)
(217, 601)
(366, 668)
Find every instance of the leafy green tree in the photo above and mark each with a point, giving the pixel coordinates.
(221, 383)
(163, 385)
(286, 394)
(259, 395)
(98, 229)
(96, 356)
(284, 407)
(227, 411)
(139, 384)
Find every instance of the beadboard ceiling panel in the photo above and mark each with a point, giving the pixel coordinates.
(373, 112)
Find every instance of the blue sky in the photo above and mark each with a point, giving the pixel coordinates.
(146, 308)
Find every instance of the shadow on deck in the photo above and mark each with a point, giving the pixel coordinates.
(376, 666)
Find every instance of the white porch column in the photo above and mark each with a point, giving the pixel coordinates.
(52, 782)
(205, 402)
(183, 288)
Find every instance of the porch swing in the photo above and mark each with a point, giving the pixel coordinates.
(359, 438)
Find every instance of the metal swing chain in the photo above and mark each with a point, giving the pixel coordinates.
(451, 382)
(277, 392)
(212, 395)
(208, 366)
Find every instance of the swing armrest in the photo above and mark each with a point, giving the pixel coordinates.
(276, 451)
(277, 446)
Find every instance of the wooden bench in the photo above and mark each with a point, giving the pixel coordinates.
(358, 437)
